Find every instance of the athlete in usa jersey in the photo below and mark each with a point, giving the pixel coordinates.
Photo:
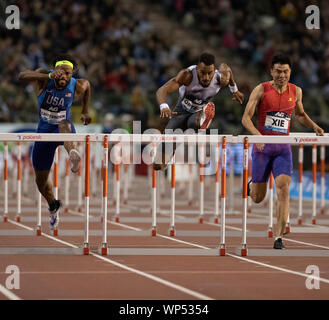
(197, 85)
(56, 91)
(275, 102)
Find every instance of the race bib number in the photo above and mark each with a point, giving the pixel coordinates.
(52, 117)
(193, 106)
(277, 122)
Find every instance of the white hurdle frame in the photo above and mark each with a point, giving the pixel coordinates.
(295, 139)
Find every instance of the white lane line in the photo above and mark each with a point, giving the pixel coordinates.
(155, 278)
(306, 243)
(218, 225)
(181, 241)
(172, 285)
(8, 294)
(242, 258)
(110, 222)
(43, 234)
(253, 261)
(180, 216)
(278, 268)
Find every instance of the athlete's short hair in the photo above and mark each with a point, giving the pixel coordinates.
(64, 56)
(281, 58)
(207, 58)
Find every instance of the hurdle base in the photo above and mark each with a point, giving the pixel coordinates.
(117, 219)
(270, 233)
(103, 249)
(154, 232)
(38, 231)
(314, 221)
(55, 232)
(222, 250)
(5, 219)
(201, 220)
(18, 218)
(216, 220)
(242, 251)
(86, 249)
(172, 232)
(300, 221)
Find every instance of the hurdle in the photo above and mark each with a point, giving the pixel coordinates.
(67, 184)
(19, 182)
(202, 165)
(270, 222)
(314, 165)
(105, 161)
(322, 163)
(223, 197)
(85, 249)
(300, 183)
(217, 195)
(295, 139)
(5, 178)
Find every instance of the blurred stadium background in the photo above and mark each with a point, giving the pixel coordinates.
(127, 49)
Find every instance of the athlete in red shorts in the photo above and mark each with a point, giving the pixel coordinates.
(275, 101)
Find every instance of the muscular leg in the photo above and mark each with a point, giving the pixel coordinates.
(166, 150)
(282, 183)
(65, 127)
(44, 185)
(258, 191)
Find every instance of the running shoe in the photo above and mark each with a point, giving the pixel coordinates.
(248, 188)
(278, 244)
(208, 113)
(74, 160)
(53, 217)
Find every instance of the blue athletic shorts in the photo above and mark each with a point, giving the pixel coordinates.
(274, 157)
(43, 152)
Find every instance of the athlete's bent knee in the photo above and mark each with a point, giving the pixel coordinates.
(64, 126)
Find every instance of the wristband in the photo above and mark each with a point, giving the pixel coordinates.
(164, 105)
(234, 88)
(49, 75)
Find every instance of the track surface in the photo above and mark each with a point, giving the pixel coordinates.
(162, 277)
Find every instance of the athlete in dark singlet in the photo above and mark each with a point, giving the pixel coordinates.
(197, 85)
(56, 90)
(275, 101)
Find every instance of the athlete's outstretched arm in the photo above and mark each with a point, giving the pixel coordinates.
(302, 116)
(254, 99)
(227, 79)
(83, 90)
(40, 77)
(184, 77)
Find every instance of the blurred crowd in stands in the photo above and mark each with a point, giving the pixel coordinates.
(126, 60)
(254, 30)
